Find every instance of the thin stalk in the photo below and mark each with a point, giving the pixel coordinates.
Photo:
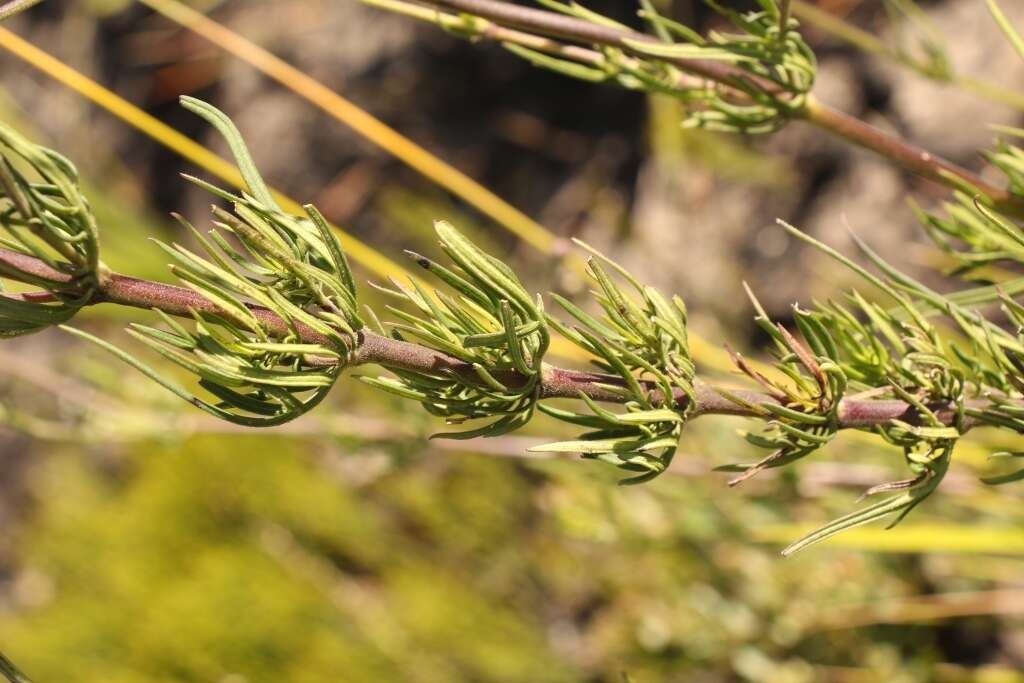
(11, 672)
(569, 28)
(377, 349)
(909, 156)
(9, 9)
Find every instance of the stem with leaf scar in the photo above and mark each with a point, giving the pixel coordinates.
(378, 349)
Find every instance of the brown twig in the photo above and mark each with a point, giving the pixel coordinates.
(565, 27)
(907, 155)
(374, 348)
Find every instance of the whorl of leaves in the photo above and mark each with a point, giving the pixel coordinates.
(292, 267)
(931, 351)
(779, 67)
(486, 319)
(644, 344)
(803, 415)
(44, 214)
(767, 46)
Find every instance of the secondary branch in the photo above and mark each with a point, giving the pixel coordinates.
(849, 128)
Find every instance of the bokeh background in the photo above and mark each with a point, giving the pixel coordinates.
(140, 541)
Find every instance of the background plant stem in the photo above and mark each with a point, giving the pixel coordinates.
(908, 156)
(849, 128)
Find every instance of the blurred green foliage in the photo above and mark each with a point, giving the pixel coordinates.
(261, 558)
(239, 556)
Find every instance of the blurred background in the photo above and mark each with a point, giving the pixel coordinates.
(143, 542)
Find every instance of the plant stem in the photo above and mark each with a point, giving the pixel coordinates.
(849, 128)
(9, 9)
(907, 155)
(569, 28)
(11, 672)
(377, 349)
(492, 31)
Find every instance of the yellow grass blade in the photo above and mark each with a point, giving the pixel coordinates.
(401, 147)
(704, 352)
(915, 609)
(361, 122)
(360, 252)
(911, 538)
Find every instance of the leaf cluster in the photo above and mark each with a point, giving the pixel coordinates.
(273, 281)
(935, 353)
(642, 342)
(803, 411)
(44, 214)
(488, 320)
(780, 66)
(775, 66)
